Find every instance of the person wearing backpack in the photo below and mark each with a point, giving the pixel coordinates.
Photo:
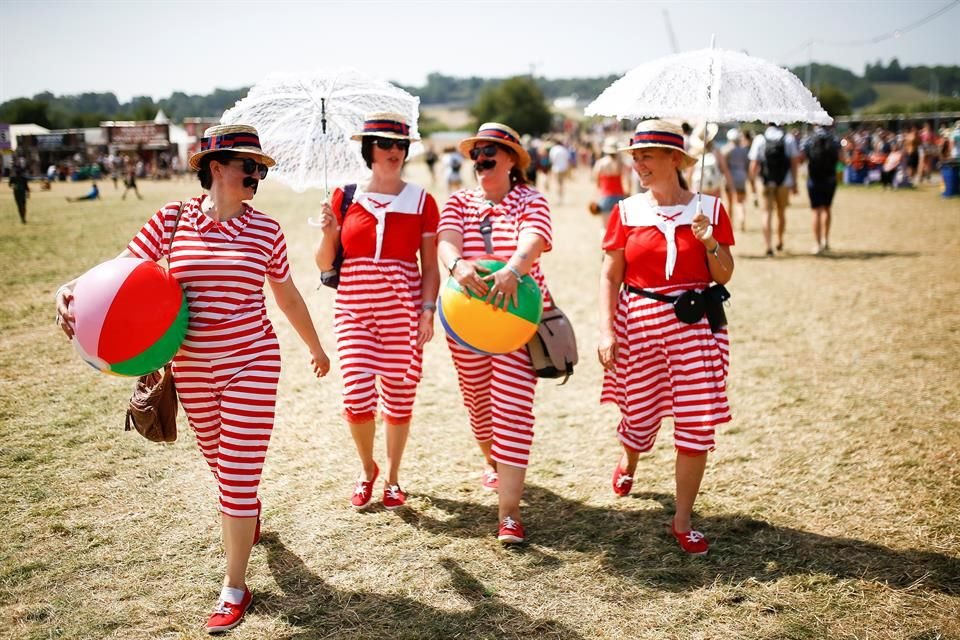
(383, 314)
(774, 157)
(822, 152)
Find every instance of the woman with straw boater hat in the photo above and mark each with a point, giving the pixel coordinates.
(498, 390)
(223, 251)
(661, 356)
(385, 302)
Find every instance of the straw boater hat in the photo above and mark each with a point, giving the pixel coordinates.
(610, 145)
(240, 138)
(697, 137)
(660, 133)
(501, 134)
(385, 125)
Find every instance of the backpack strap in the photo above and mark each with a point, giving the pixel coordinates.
(349, 190)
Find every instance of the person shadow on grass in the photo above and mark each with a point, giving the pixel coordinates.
(319, 610)
(636, 543)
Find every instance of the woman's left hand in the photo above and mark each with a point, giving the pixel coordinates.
(425, 328)
(320, 363)
(702, 229)
(503, 288)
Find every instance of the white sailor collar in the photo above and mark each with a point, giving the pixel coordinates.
(639, 211)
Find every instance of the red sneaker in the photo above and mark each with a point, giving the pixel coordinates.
(622, 482)
(692, 542)
(511, 531)
(363, 491)
(393, 497)
(227, 615)
(490, 481)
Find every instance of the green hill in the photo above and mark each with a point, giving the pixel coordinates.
(899, 93)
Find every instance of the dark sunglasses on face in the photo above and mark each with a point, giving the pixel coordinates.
(488, 151)
(251, 166)
(389, 143)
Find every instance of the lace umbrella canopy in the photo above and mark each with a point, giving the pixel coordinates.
(710, 85)
(305, 122)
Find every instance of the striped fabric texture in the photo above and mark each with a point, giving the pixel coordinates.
(498, 391)
(667, 368)
(376, 317)
(228, 367)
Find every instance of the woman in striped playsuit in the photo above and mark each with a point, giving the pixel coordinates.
(659, 245)
(385, 302)
(222, 251)
(498, 390)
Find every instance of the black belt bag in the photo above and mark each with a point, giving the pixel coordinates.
(690, 306)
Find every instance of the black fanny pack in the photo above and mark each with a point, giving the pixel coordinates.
(690, 306)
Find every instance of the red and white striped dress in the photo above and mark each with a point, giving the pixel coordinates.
(377, 309)
(229, 364)
(665, 367)
(498, 390)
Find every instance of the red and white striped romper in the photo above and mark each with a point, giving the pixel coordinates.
(498, 390)
(666, 367)
(377, 311)
(228, 366)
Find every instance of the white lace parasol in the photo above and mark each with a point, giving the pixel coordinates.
(305, 122)
(712, 85)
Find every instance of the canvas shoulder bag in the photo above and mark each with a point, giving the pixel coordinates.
(553, 348)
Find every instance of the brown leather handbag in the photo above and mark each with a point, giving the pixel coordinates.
(153, 407)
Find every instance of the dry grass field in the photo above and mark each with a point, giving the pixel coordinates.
(832, 500)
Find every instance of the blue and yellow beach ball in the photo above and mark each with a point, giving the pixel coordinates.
(484, 328)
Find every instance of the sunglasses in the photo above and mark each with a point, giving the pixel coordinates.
(489, 151)
(389, 143)
(251, 166)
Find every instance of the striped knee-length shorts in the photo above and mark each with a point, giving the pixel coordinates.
(667, 368)
(376, 319)
(498, 394)
(230, 403)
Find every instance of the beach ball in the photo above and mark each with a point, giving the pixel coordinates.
(486, 329)
(130, 316)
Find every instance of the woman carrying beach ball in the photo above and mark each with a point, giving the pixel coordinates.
(222, 252)
(498, 390)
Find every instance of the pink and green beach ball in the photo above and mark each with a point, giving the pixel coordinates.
(130, 316)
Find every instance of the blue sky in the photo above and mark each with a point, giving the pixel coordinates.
(153, 47)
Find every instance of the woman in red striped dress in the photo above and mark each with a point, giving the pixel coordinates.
(658, 245)
(498, 390)
(385, 302)
(222, 251)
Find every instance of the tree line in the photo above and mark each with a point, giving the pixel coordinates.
(839, 90)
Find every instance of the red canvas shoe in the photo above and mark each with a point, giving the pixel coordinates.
(363, 491)
(692, 542)
(393, 497)
(622, 482)
(227, 615)
(490, 481)
(511, 531)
